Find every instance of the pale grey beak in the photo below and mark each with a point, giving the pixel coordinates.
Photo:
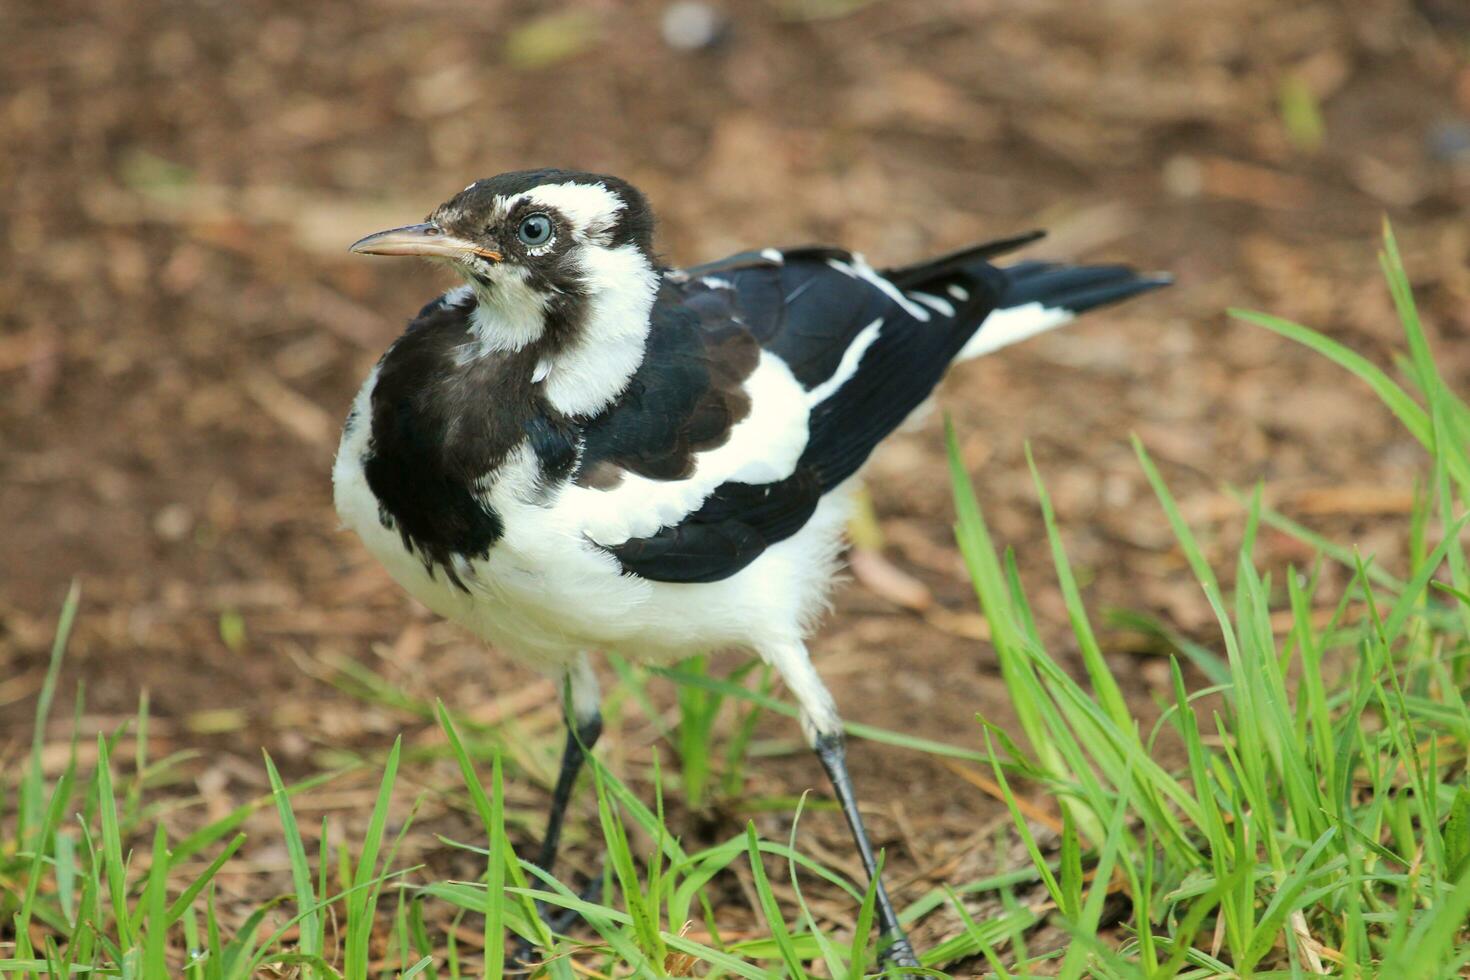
(426, 239)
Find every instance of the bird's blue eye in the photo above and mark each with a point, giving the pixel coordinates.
(535, 230)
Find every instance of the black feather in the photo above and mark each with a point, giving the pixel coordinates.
(730, 530)
(966, 261)
(807, 312)
(1077, 288)
(440, 427)
(708, 329)
(684, 398)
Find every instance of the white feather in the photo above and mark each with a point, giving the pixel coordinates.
(586, 693)
(591, 208)
(1011, 325)
(458, 295)
(547, 593)
(847, 367)
(510, 314)
(818, 711)
(858, 268)
(762, 448)
(941, 306)
(594, 370)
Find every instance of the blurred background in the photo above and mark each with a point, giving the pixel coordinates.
(181, 330)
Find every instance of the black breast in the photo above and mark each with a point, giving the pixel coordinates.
(443, 422)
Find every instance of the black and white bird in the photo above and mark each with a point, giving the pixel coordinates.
(583, 449)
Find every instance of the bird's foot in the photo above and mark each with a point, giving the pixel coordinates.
(900, 953)
(557, 921)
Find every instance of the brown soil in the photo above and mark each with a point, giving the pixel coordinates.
(181, 330)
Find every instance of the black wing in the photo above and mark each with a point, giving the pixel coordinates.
(684, 398)
(867, 350)
(730, 530)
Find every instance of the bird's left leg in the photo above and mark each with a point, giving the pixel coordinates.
(581, 706)
(581, 699)
(824, 734)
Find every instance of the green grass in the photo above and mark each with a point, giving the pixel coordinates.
(1300, 806)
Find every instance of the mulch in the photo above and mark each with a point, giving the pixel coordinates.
(181, 331)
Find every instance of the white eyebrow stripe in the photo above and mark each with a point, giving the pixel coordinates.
(591, 208)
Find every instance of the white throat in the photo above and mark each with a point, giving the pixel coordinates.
(508, 316)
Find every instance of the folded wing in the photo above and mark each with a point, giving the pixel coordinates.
(866, 347)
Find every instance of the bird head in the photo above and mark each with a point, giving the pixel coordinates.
(543, 231)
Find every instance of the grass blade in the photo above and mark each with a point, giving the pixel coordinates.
(311, 933)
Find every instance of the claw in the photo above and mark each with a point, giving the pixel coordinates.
(900, 953)
(525, 952)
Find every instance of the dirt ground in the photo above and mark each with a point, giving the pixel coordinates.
(181, 330)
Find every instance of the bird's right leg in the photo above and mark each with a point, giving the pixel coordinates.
(824, 734)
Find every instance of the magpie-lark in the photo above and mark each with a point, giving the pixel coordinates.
(583, 449)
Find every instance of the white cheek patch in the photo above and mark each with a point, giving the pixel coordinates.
(620, 287)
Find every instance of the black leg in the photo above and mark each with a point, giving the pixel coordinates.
(823, 729)
(581, 737)
(833, 753)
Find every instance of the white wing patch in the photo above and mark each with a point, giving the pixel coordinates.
(941, 306)
(1012, 325)
(847, 367)
(858, 268)
(762, 448)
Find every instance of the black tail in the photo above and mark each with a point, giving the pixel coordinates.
(964, 263)
(1073, 288)
(969, 278)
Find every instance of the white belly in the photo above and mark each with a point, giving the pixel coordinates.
(547, 593)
